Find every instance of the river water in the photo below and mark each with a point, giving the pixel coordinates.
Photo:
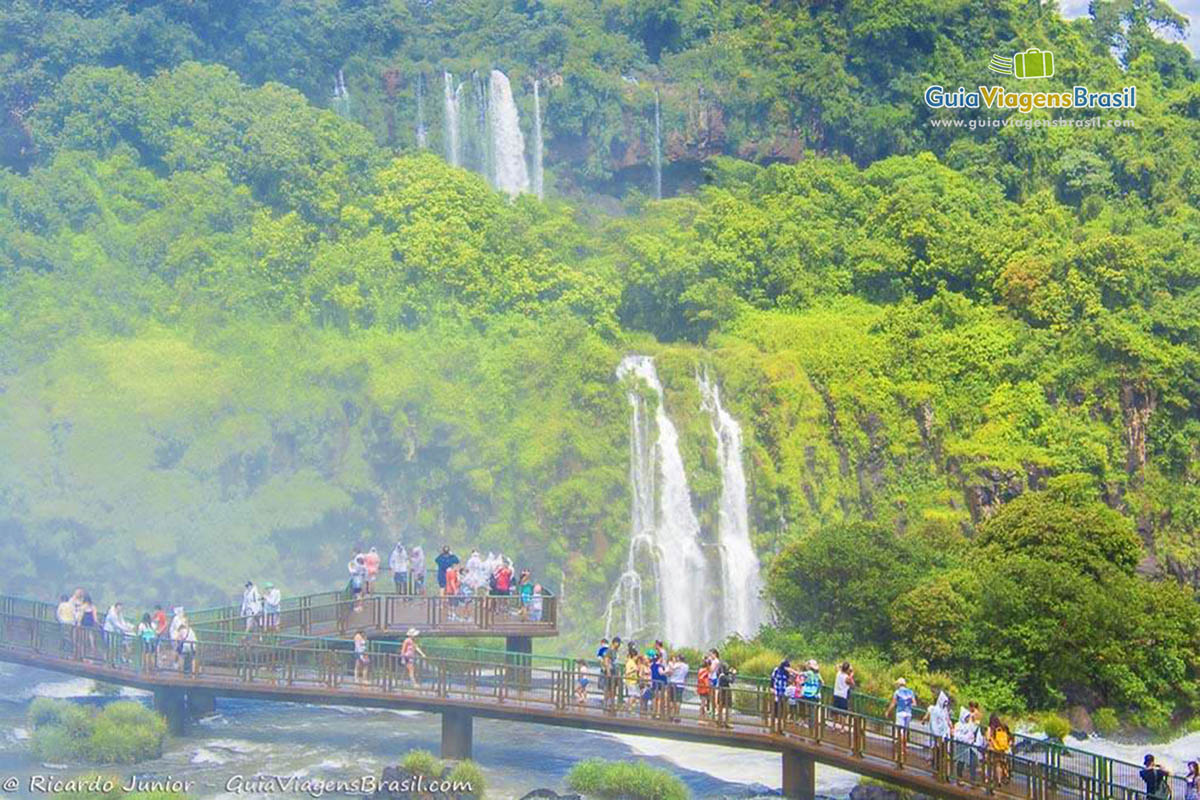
(249, 738)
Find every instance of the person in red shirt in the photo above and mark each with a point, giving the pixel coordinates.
(159, 620)
(371, 559)
(504, 575)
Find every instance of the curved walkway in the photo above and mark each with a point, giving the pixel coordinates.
(519, 688)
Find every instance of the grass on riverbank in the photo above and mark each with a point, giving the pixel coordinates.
(124, 732)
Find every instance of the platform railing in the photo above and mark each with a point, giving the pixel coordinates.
(517, 680)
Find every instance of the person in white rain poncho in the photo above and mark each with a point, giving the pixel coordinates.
(251, 604)
(398, 564)
(966, 732)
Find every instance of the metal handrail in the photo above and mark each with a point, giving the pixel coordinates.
(517, 679)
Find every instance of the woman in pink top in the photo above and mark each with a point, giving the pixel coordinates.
(409, 652)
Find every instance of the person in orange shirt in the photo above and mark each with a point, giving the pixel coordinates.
(453, 584)
(371, 559)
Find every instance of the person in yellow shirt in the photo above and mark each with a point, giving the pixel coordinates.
(999, 743)
(631, 677)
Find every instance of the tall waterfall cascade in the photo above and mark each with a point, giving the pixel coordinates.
(509, 171)
(538, 179)
(451, 97)
(664, 529)
(741, 580)
(667, 585)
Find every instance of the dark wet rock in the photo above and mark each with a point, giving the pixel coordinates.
(1081, 722)
(550, 794)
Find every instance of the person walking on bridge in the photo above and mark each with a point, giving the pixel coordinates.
(358, 579)
(65, 614)
(966, 736)
(272, 605)
(937, 716)
(810, 692)
(185, 648)
(902, 702)
(148, 640)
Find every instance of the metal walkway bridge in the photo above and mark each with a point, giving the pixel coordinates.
(461, 685)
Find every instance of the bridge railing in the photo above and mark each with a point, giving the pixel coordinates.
(337, 612)
(1052, 773)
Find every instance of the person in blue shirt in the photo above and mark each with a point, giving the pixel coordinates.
(444, 561)
(781, 678)
(902, 701)
(658, 684)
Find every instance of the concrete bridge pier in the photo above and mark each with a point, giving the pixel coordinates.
(172, 704)
(799, 776)
(201, 703)
(457, 732)
(520, 660)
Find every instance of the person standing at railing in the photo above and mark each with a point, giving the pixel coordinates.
(843, 684)
(810, 691)
(476, 574)
(398, 564)
(185, 648)
(938, 718)
(362, 660)
(444, 561)
(525, 592)
(608, 671)
(581, 682)
(272, 605)
(1156, 778)
(999, 742)
(148, 638)
(357, 568)
(902, 702)
(677, 672)
(704, 689)
(782, 678)
(159, 619)
(632, 693)
(502, 579)
(535, 604)
(89, 624)
(966, 738)
(417, 568)
(371, 559)
(451, 581)
(251, 605)
(1192, 782)
(65, 614)
(725, 677)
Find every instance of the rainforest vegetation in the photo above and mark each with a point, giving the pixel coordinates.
(240, 332)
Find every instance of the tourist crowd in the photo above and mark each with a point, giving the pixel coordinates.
(86, 633)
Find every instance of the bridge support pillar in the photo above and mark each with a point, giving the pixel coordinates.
(520, 651)
(172, 704)
(457, 728)
(799, 776)
(201, 703)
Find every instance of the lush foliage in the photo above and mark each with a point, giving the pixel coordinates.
(123, 732)
(624, 780)
(1059, 619)
(240, 333)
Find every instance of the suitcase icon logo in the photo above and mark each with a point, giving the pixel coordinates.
(1033, 63)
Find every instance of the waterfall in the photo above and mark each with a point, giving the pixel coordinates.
(740, 577)
(421, 133)
(538, 181)
(483, 142)
(664, 529)
(341, 96)
(509, 172)
(451, 99)
(657, 149)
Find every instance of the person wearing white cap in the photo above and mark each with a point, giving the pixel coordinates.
(409, 652)
(902, 701)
